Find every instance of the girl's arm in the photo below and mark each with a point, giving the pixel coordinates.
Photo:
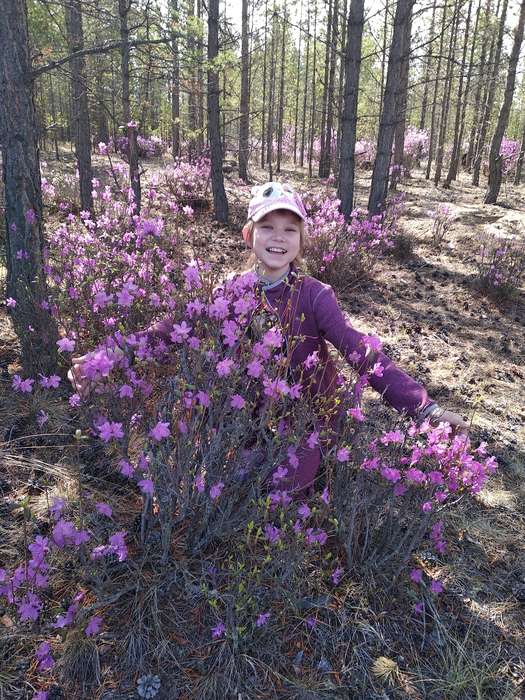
(396, 387)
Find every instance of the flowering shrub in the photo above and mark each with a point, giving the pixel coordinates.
(203, 416)
(365, 153)
(509, 152)
(151, 147)
(501, 262)
(342, 253)
(442, 221)
(188, 182)
(416, 146)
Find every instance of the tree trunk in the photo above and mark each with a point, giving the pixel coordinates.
(340, 90)
(327, 163)
(490, 99)
(383, 56)
(220, 203)
(175, 82)
(80, 112)
(312, 112)
(350, 100)
(477, 104)
(324, 106)
(462, 99)
(265, 55)
(447, 89)
(124, 7)
(431, 144)
(271, 97)
(244, 121)
(428, 66)
(401, 108)
(306, 82)
(282, 97)
(379, 185)
(495, 164)
(297, 85)
(200, 84)
(521, 158)
(26, 282)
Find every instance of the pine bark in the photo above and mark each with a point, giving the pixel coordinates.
(354, 34)
(305, 95)
(521, 158)
(326, 89)
(490, 98)
(428, 66)
(282, 97)
(401, 108)
(462, 98)
(495, 161)
(220, 203)
(379, 185)
(244, 119)
(432, 138)
(134, 173)
(175, 81)
(313, 104)
(26, 281)
(80, 108)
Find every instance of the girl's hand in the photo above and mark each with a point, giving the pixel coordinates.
(456, 421)
(76, 377)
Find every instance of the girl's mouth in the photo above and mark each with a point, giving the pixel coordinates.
(279, 251)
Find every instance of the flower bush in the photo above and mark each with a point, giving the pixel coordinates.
(442, 218)
(193, 398)
(148, 147)
(188, 183)
(341, 253)
(501, 262)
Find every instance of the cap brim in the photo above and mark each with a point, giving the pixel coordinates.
(273, 206)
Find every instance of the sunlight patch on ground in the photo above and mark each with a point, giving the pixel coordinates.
(493, 497)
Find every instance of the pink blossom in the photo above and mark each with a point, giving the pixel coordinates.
(66, 344)
(109, 430)
(198, 482)
(93, 626)
(218, 631)
(146, 486)
(337, 575)
(25, 386)
(313, 440)
(419, 608)
(104, 509)
(272, 533)
(325, 497)
(160, 431)
(237, 401)
(304, 511)
(357, 414)
(377, 369)
(426, 507)
(74, 400)
(224, 367)
(416, 575)
(262, 619)
(216, 490)
(125, 391)
(390, 474)
(203, 398)
(255, 369)
(180, 332)
(10, 302)
(279, 474)
(343, 454)
(51, 382)
(273, 338)
(436, 587)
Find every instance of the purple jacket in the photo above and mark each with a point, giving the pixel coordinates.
(312, 310)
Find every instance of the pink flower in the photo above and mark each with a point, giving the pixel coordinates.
(25, 386)
(255, 369)
(272, 533)
(279, 474)
(104, 509)
(313, 440)
(224, 367)
(108, 430)
(357, 414)
(390, 474)
(51, 382)
(237, 401)
(180, 332)
(273, 338)
(74, 400)
(416, 575)
(426, 507)
(372, 342)
(10, 302)
(93, 626)
(216, 490)
(218, 631)
(66, 345)
(198, 482)
(419, 608)
(436, 587)
(203, 398)
(160, 431)
(262, 619)
(337, 575)
(304, 511)
(312, 360)
(378, 369)
(125, 391)
(146, 486)
(343, 454)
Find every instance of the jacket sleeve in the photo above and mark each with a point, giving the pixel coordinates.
(396, 387)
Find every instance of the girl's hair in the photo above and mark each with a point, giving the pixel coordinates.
(252, 258)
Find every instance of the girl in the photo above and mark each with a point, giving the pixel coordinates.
(310, 315)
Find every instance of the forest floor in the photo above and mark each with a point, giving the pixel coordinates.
(469, 351)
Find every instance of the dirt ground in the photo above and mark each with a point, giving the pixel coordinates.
(469, 351)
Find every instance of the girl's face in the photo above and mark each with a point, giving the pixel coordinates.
(277, 242)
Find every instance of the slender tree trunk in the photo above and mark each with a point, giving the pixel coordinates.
(175, 82)
(80, 113)
(383, 56)
(297, 85)
(521, 158)
(26, 281)
(490, 98)
(428, 66)
(271, 96)
(54, 116)
(282, 97)
(265, 56)
(220, 202)
(447, 89)
(312, 114)
(495, 163)
(401, 108)
(244, 120)
(379, 185)
(305, 96)
(462, 99)
(340, 90)
(351, 91)
(477, 104)
(134, 173)
(200, 84)
(327, 163)
(326, 89)
(432, 139)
